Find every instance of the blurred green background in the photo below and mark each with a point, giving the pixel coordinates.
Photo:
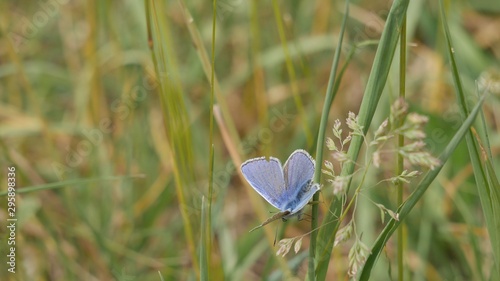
(81, 111)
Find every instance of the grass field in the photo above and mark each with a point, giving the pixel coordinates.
(123, 125)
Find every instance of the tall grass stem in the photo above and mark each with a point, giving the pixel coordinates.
(401, 143)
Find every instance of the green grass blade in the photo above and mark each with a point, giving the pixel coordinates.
(375, 86)
(378, 75)
(291, 71)
(400, 143)
(211, 149)
(161, 276)
(69, 183)
(494, 224)
(485, 178)
(416, 195)
(257, 69)
(175, 115)
(331, 92)
(203, 243)
(207, 66)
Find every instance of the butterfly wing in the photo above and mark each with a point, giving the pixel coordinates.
(298, 169)
(298, 173)
(266, 177)
(303, 197)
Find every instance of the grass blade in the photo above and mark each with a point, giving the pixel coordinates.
(207, 66)
(331, 91)
(203, 243)
(208, 228)
(486, 179)
(412, 200)
(400, 143)
(175, 116)
(68, 183)
(375, 86)
(291, 71)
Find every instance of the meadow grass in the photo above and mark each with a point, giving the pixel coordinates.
(127, 124)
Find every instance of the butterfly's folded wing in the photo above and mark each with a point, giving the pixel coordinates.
(298, 169)
(303, 197)
(298, 172)
(266, 177)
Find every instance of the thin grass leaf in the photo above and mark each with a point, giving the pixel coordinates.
(249, 254)
(294, 263)
(208, 239)
(291, 71)
(207, 69)
(258, 71)
(175, 115)
(204, 274)
(400, 143)
(331, 91)
(69, 183)
(485, 179)
(375, 86)
(161, 276)
(417, 194)
(494, 224)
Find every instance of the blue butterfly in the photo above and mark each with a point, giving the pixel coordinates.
(288, 188)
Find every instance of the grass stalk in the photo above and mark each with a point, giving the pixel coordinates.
(417, 194)
(68, 183)
(207, 66)
(211, 145)
(291, 72)
(259, 88)
(401, 143)
(376, 83)
(175, 117)
(331, 91)
(204, 243)
(486, 179)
